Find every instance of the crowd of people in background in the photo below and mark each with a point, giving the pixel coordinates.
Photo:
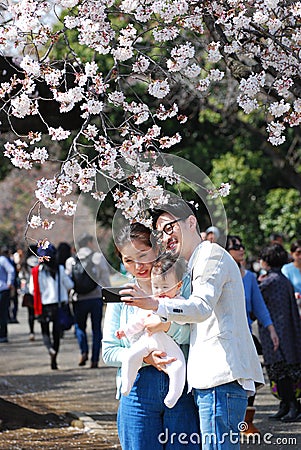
(42, 280)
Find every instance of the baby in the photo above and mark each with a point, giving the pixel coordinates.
(166, 278)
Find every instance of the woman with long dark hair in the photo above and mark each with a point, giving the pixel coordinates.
(144, 422)
(49, 285)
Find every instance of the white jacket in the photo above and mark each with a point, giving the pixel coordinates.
(49, 286)
(221, 345)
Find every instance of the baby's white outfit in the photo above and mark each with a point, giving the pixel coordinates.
(142, 344)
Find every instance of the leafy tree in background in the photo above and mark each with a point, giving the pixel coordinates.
(282, 213)
(246, 200)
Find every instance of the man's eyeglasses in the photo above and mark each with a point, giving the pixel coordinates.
(236, 247)
(167, 229)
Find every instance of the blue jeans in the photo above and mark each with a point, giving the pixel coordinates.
(144, 422)
(4, 305)
(221, 409)
(81, 309)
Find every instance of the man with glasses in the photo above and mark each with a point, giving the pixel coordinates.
(222, 364)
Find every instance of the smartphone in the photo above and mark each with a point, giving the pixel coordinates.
(111, 294)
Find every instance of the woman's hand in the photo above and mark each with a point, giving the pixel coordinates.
(274, 336)
(158, 360)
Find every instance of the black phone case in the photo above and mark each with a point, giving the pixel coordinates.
(111, 294)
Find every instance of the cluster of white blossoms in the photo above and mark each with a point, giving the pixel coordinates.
(37, 222)
(23, 159)
(58, 134)
(151, 48)
(221, 191)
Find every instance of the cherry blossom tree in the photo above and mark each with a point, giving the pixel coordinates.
(155, 51)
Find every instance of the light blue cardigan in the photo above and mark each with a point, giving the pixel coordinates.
(116, 316)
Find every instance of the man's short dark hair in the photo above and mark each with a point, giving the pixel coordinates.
(178, 208)
(276, 236)
(296, 244)
(274, 255)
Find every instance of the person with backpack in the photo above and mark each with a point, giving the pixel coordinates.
(89, 272)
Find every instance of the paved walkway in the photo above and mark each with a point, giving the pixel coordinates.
(27, 380)
(88, 394)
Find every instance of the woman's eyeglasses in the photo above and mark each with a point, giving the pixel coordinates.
(167, 229)
(236, 247)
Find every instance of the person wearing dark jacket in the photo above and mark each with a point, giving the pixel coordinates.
(7, 276)
(283, 365)
(89, 303)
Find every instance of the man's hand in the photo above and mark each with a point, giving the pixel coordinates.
(134, 296)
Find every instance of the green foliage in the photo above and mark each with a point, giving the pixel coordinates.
(282, 213)
(246, 198)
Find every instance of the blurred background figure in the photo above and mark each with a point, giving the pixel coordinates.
(16, 258)
(212, 234)
(63, 253)
(283, 365)
(7, 277)
(13, 293)
(292, 271)
(50, 286)
(87, 297)
(24, 274)
(276, 238)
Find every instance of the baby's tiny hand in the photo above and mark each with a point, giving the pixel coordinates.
(152, 328)
(120, 334)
